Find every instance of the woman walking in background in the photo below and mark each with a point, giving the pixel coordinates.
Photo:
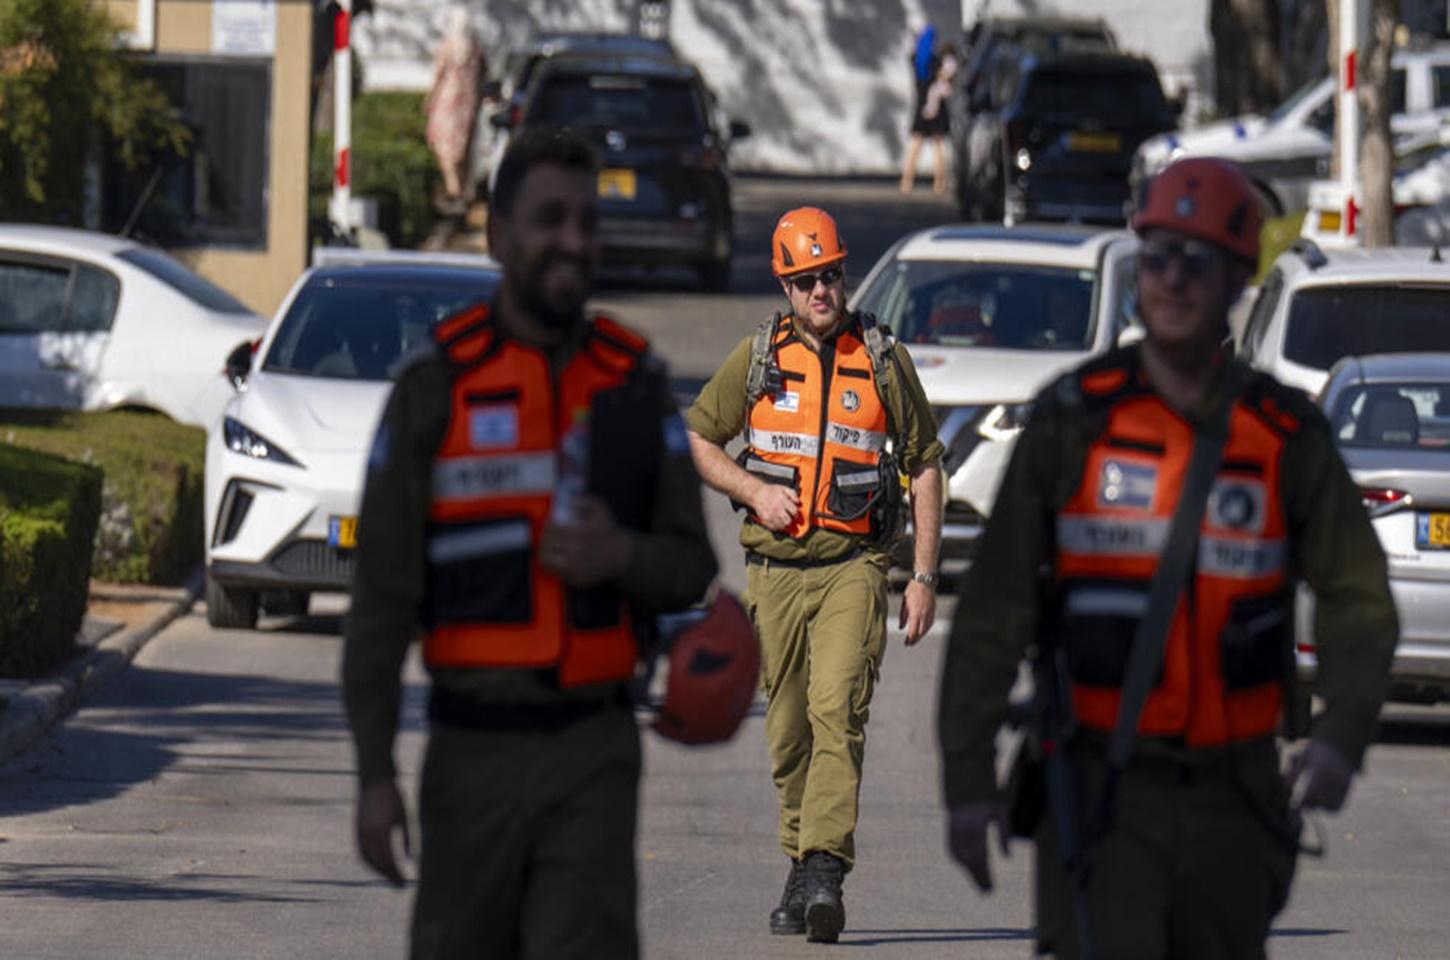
(931, 120)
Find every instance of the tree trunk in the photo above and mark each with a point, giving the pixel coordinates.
(1245, 55)
(1331, 8)
(1377, 162)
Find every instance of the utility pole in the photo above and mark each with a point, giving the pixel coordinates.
(339, 209)
(1346, 128)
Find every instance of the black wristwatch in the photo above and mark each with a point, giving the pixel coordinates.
(930, 580)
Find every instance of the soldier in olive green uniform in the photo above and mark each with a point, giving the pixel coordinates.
(528, 801)
(817, 567)
(1194, 854)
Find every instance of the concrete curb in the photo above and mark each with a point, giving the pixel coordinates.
(32, 712)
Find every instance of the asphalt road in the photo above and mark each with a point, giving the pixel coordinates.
(201, 805)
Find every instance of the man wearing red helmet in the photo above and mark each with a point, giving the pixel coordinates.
(1181, 832)
(833, 416)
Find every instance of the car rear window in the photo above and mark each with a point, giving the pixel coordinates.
(183, 281)
(612, 100)
(1328, 323)
(358, 330)
(1407, 416)
(1108, 96)
(954, 304)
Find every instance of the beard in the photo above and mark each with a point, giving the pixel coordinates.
(557, 311)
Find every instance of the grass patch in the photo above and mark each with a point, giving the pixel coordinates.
(1276, 236)
(151, 524)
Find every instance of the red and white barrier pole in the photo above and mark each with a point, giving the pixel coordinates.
(340, 209)
(1347, 131)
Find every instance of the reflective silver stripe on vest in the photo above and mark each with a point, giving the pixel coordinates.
(1240, 559)
(871, 441)
(1106, 602)
(769, 469)
(478, 542)
(855, 481)
(771, 441)
(1112, 536)
(509, 474)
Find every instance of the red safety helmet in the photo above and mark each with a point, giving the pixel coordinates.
(1205, 198)
(714, 673)
(805, 238)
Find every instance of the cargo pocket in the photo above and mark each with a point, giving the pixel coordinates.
(481, 572)
(1097, 625)
(1255, 640)
(776, 473)
(854, 489)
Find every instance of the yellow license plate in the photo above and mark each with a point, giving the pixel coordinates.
(1094, 142)
(342, 532)
(617, 184)
(1433, 530)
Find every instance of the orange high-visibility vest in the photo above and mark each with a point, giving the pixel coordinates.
(490, 604)
(1229, 644)
(823, 433)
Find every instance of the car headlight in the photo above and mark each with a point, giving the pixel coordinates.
(1005, 421)
(249, 443)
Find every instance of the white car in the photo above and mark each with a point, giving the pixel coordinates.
(1420, 191)
(1291, 146)
(990, 315)
(91, 321)
(285, 464)
(1391, 420)
(1316, 307)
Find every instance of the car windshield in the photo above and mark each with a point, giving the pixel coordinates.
(1408, 416)
(955, 304)
(1298, 97)
(183, 281)
(618, 101)
(358, 329)
(1328, 323)
(1106, 95)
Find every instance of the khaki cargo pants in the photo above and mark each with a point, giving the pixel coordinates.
(528, 842)
(822, 636)
(1196, 866)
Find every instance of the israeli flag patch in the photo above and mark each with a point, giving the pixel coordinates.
(787, 402)
(493, 428)
(1124, 484)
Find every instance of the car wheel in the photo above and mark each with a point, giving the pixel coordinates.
(230, 608)
(715, 275)
(287, 603)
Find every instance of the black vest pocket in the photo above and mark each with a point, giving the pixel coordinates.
(854, 489)
(1097, 624)
(480, 572)
(593, 608)
(1255, 641)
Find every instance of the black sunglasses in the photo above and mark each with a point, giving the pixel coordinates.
(1194, 257)
(806, 282)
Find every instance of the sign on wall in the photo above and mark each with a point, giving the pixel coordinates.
(244, 28)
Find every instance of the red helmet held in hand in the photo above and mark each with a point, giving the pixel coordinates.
(714, 673)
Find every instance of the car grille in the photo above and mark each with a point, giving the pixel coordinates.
(314, 559)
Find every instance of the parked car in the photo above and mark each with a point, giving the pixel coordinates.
(990, 315)
(1286, 150)
(1390, 415)
(285, 463)
(664, 192)
(91, 321)
(1316, 307)
(1061, 143)
(1420, 189)
(988, 38)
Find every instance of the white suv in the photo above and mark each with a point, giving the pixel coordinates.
(990, 315)
(1317, 306)
(1291, 147)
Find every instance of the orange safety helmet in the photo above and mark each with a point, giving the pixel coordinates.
(714, 673)
(804, 238)
(1206, 198)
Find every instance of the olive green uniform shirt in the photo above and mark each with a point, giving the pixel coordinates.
(670, 566)
(1332, 547)
(719, 414)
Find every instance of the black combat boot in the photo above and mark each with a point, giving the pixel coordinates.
(790, 917)
(825, 913)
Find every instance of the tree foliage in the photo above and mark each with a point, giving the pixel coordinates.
(65, 79)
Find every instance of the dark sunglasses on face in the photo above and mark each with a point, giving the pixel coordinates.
(806, 282)
(1194, 257)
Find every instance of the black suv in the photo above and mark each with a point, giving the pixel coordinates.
(1060, 143)
(664, 192)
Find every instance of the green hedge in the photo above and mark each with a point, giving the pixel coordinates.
(151, 525)
(391, 163)
(49, 511)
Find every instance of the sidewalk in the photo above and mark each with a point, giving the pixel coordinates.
(120, 618)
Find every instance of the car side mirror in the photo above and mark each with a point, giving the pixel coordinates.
(239, 363)
(503, 120)
(739, 129)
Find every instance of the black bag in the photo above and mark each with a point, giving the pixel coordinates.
(1025, 791)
